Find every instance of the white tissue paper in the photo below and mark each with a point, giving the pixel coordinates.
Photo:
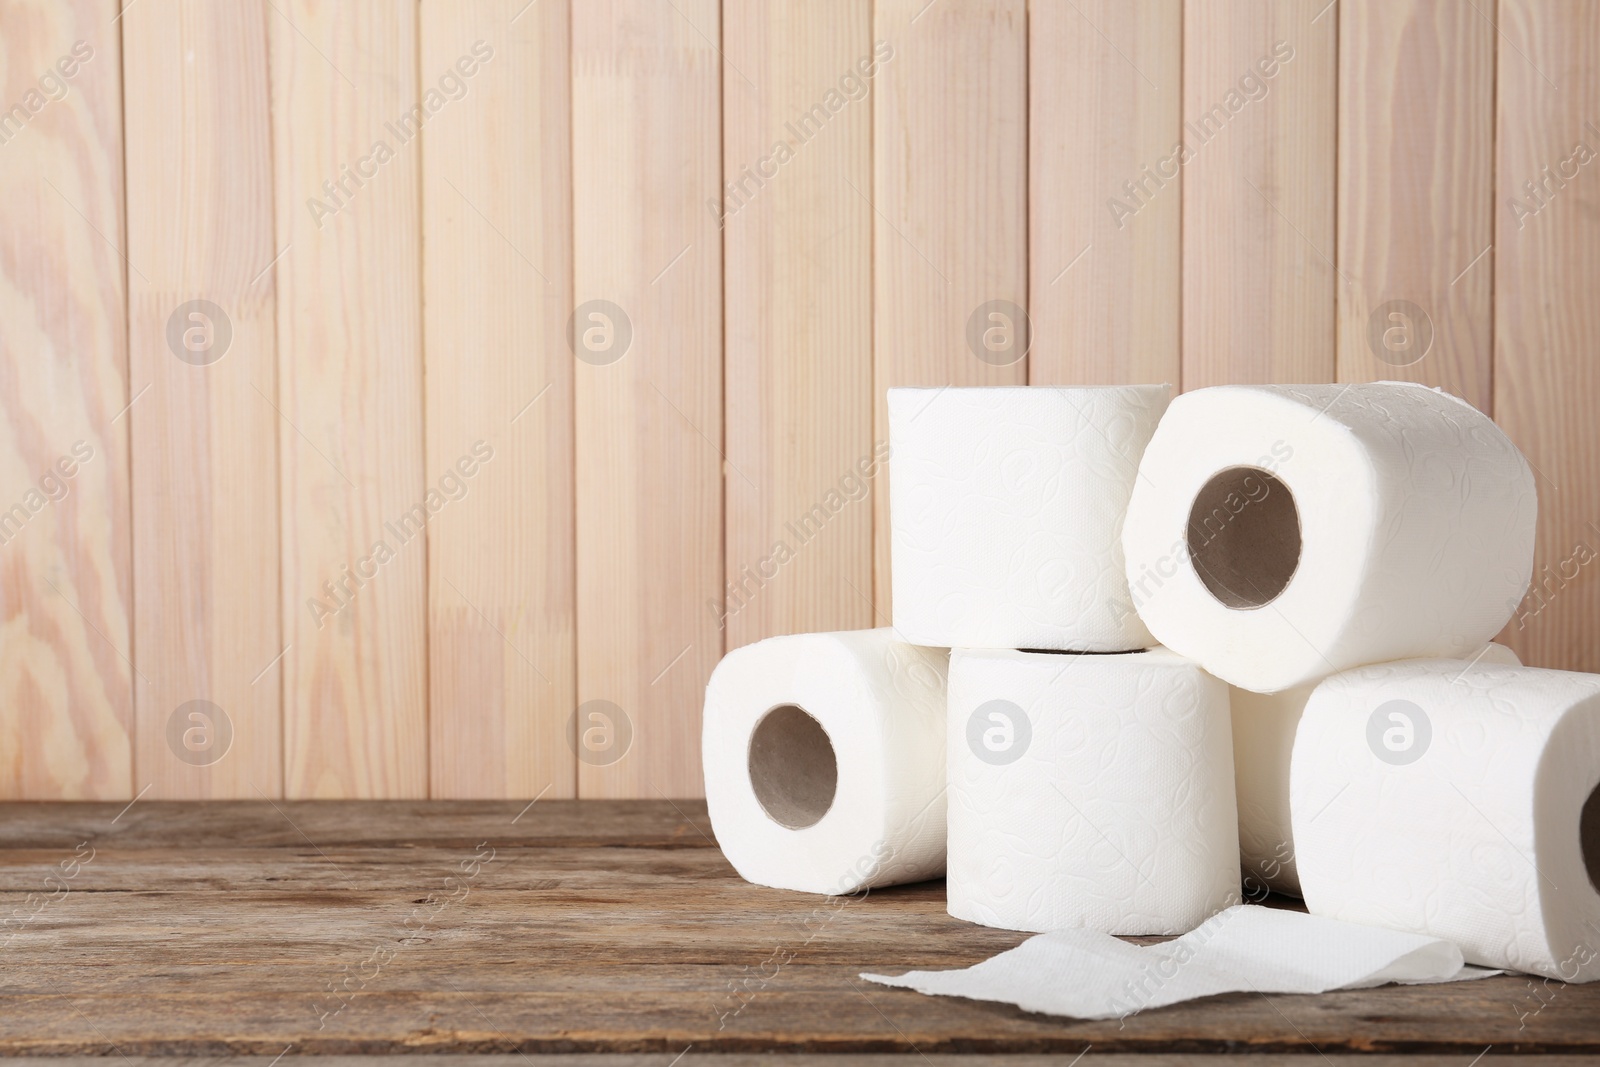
(1278, 534)
(1089, 790)
(1457, 802)
(1246, 949)
(1263, 738)
(1007, 506)
(824, 761)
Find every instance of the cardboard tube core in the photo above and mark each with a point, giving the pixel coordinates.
(1244, 537)
(1589, 837)
(793, 769)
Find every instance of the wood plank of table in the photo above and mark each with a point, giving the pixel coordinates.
(497, 228)
(797, 232)
(950, 195)
(66, 672)
(647, 333)
(1547, 322)
(570, 926)
(817, 1009)
(403, 824)
(1416, 194)
(202, 341)
(344, 82)
(1260, 82)
(1105, 89)
(796, 1059)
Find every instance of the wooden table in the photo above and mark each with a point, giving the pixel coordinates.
(369, 929)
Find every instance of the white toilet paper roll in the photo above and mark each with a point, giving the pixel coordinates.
(1089, 791)
(824, 761)
(1456, 802)
(1007, 507)
(1278, 534)
(1263, 739)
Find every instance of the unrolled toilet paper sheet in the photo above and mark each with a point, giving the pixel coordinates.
(1245, 949)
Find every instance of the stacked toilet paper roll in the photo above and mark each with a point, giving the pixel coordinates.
(1461, 802)
(824, 761)
(1277, 534)
(1339, 555)
(1007, 505)
(1089, 791)
(1264, 726)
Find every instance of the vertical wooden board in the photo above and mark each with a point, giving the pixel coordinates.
(950, 175)
(797, 229)
(1416, 190)
(66, 676)
(1546, 318)
(647, 332)
(497, 228)
(1258, 191)
(1105, 85)
(201, 343)
(355, 508)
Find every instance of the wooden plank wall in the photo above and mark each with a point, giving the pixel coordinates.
(797, 225)
(1259, 84)
(950, 166)
(543, 345)
(1104, 192)
(66, 662)
(355, 507)
(207, 707)
(1415, 201)
(647, 335)
(1546, 318)
(497, 227)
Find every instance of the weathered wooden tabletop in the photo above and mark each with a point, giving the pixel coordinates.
(569, 927)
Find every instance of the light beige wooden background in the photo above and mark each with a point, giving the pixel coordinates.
(785, 208)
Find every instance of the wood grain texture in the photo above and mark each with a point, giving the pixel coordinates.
(793, 1059)
(1258, 191)
(66, 676)
(204, 446)
(1416, 190)
(950, 142)
(1105, 89)
(648, 424)
(572, 926)
(345, 115)
(497, 228)
(1547, 322)
(797, 165)
(592, 556)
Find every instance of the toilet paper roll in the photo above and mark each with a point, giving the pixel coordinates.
(824, 761)
(1278, 534)
(1263, 739)
(1006, 507)
(1089, 790)
(1456, 802)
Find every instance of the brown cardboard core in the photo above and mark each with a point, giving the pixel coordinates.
(1244, 536)
(793, 769)
(1589, 837)
(1069, 652)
